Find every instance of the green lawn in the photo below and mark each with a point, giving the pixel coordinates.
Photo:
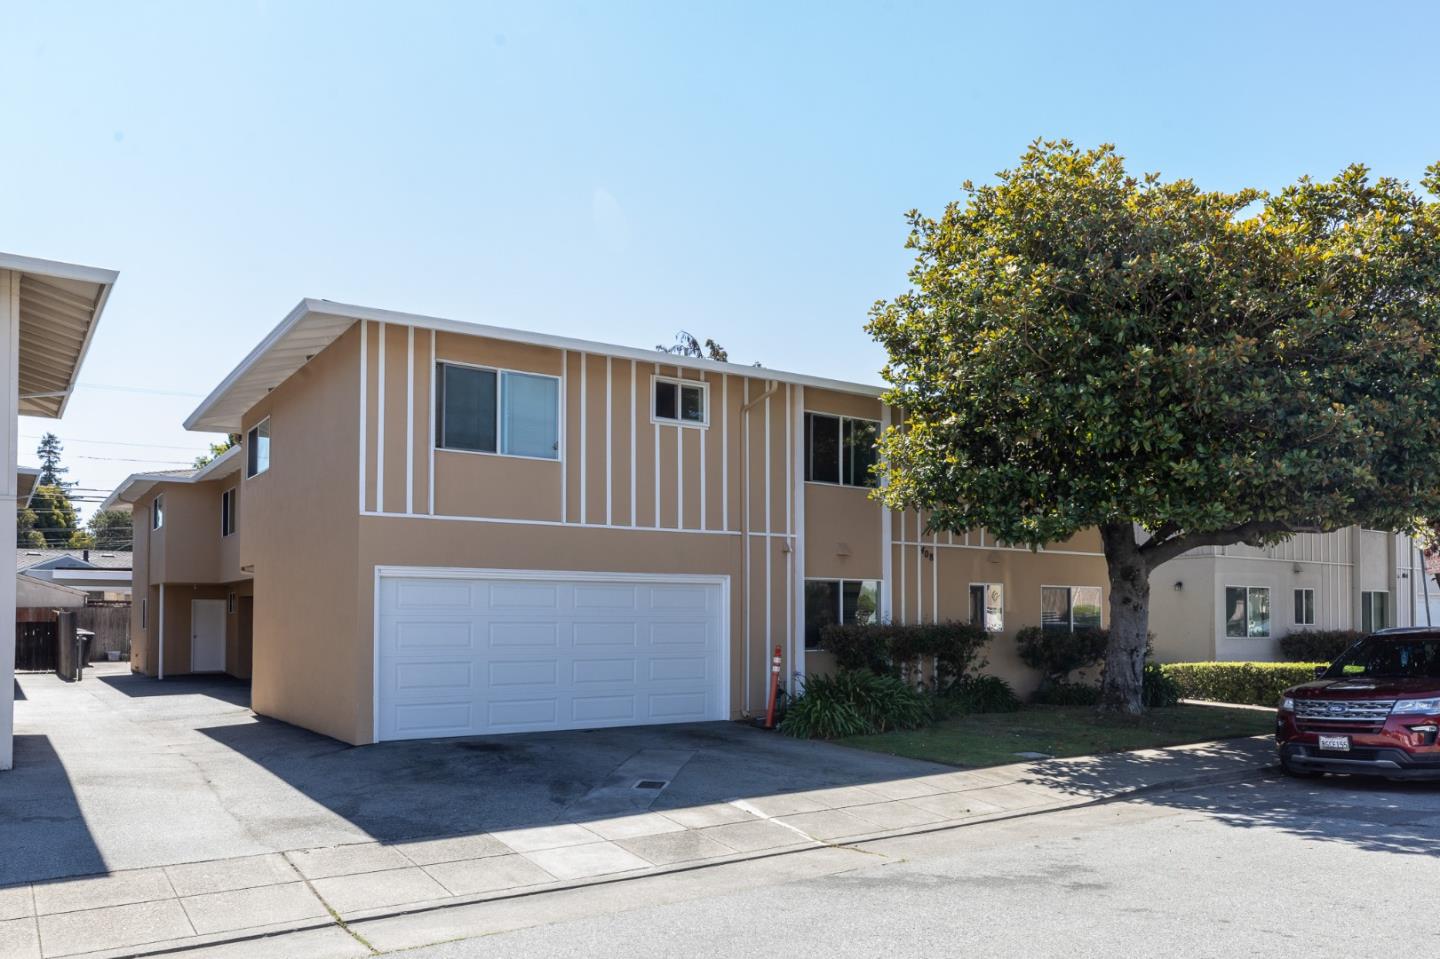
(993, 739)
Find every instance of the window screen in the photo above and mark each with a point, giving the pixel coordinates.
(466, 400)
(530, 415)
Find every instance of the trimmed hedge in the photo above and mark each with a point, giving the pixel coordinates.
(893, 649)
(853, 702)
(1253, 684)
(1317, 645)
(1056, 653)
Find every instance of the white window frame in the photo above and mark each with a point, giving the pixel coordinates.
(1295, 594)
(437, 413)
(702, 385)
(157, 512)
(986, 587)
(251, 435)
(227, 512)
(1071, 590)
(839, 446)
(841, 581)
(1225, 612)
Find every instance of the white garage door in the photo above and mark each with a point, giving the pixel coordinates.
(469, 653)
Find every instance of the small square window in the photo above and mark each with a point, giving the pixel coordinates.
(680, 401)
(1247, 612)
(987, 606)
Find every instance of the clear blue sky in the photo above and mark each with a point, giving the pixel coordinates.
(611, 170)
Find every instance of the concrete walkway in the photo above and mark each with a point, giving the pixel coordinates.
(351, 899)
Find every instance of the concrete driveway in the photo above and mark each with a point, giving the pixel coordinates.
(126, 772)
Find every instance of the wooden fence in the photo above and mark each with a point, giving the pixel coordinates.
(110, 622)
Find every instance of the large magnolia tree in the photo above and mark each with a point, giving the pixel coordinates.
(1082, 348)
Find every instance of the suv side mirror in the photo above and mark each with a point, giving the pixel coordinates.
(1320, 671)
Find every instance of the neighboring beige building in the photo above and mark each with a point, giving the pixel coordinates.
(1236, 602)
(191, 602)
(456, 529)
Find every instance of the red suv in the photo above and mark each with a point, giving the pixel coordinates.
(1374, 711)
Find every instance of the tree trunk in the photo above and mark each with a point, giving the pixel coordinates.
(1120, 691)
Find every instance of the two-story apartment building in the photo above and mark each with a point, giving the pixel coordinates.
(458, 529)
(1237, 602)
(191, 601)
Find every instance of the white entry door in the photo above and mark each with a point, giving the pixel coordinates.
(468, 652)
(207, 635)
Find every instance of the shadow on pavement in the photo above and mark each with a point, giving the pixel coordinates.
(43, 832)
(217, 686)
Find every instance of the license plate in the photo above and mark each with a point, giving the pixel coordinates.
(1335, 743)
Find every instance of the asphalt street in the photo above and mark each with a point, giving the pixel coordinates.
(1335, 867)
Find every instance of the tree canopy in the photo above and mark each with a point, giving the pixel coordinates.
(1081, 347)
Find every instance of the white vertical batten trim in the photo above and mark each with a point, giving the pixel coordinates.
(364, 404)
(679, 478)
(887, 558)
(430, 443)
(769, 625)
(655, 431)
(725, 450)
(380, 426)
(584, 362)
(797, 487)
(633, 413)
(904, 610)
(609, 423)
(934, 578)
(919, 570)
(564, 450)
(705, 441)
(409, 419)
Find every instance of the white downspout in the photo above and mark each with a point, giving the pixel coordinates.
(770, 388)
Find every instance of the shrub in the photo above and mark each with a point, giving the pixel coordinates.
(978, 694)
(1067, 694)
(891, 649)
(1317, 645)
(1056, 653)
(1159, 689)
(1255, 684)
(853, 702)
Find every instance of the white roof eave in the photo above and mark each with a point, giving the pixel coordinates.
(285, 350)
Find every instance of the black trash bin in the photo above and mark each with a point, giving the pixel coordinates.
(84, 641)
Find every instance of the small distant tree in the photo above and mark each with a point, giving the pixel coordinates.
(81, 539)
(687, 345)
(54, 515)
(26, 535)
(51, 472)
(204, 459)
(111, 529)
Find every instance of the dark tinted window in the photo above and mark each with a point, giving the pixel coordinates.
(466, 400)
(1389, 659)
(822, 445)
(822, 608)
(859, 440)
(667, 404)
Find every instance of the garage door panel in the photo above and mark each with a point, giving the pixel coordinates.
(605, 634)
(520, 655)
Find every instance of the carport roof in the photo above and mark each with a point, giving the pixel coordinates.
(60, 305)
(315, 324)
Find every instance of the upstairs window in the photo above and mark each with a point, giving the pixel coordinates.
(227, 512)
(839, 449)
(157, 512)
(257, 448)
(680, 401)
(497, 411)
(1247, 612)
(1070, 607)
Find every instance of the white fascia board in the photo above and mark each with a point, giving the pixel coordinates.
(219, 466)
(201, 419)
(58, 269)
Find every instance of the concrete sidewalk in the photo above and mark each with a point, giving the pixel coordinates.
(358, 898)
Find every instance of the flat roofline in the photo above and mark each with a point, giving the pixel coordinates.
(207, 417)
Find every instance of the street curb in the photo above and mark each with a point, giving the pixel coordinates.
(174, 947)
